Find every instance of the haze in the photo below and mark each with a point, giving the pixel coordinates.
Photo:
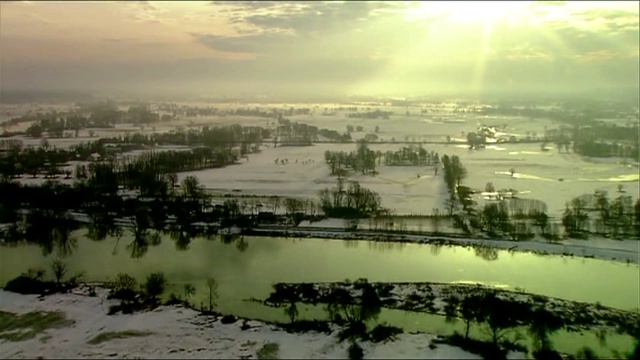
(314, 48)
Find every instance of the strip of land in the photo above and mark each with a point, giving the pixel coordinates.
(178, 332)
(627, 251)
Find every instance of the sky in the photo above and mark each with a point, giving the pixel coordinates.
(278, 48)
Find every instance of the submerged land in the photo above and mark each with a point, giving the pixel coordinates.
(529, 197)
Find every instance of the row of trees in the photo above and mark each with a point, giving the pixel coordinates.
(414, 156)
(294, 133)
(33, 161)
(353, 202)
(597, 213)
(48, 215)
(354, 305)
(596, 140)
(376, 114)
(362, 160)
(225, 137)
(132, 169)
(98, 115)
(214, 147)
(501, 317)
(517, 218)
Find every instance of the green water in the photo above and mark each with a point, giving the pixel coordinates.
(251, 273)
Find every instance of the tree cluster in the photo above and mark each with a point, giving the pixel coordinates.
(362, 160)
(411, 155)
(376, 114)
(293, 133)
(353, 202)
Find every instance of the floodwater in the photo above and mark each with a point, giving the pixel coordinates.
(250, 273)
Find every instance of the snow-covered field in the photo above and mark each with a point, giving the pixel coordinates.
(417, 190)
(552, 177)
(178, 332)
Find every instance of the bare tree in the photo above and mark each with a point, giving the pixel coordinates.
(59, 269)
(189, 290)
(212, 285)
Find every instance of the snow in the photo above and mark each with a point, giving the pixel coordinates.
(183, 333)
(606, 249)
(415, 296)
(406, 190)
(417, 190)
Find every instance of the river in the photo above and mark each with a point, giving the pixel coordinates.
(250, 273)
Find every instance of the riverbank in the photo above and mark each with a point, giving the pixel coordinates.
(178, 332)
(433, 298)
(626, 251)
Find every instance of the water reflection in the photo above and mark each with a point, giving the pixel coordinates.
(384, 246)
(140, 244)
(50, 235)
(242, 244)
(435, 249)
(486, 253)
(182, 239)
(351, 243)
(101, 227)
(249, 267)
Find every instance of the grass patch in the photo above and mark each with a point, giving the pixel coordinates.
(268, 351)
(45, 338)
(14, 327)
(110, 335)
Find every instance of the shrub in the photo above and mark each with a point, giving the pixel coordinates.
(124, 282)
(268, 351)
(27, 285)
(59, 269)
(73, 280)
(173, 300)
(212, 286)
(355, 351)
(34, 273)
(384, 332)
(303, 326)
(228, 319)
(353, 330)
(113, 309)
(154, 286)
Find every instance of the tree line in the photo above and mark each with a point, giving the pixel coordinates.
(354, 201)
(353, 305)
(596, 140)
(362, 160)
(411, 155)
(518, 218)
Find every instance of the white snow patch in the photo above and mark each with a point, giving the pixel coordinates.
(183, 333)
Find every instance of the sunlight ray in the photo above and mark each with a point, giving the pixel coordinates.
(480, 69)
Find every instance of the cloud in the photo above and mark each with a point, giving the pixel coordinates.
(301, 19)
(335, 28)
(146, 11)
(244, 44)
(317, 46)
